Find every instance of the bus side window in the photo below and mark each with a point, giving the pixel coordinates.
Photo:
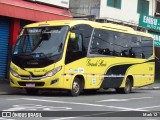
(146, 45)
(75, 44)
(101, 43)
(131, 53)
(74, 48)
(136, 46)
(121, 44)
(85, 32)
(143, 56)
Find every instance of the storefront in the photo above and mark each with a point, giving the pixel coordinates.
(153, 26)
(14, 14)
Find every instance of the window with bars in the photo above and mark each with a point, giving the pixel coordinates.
(158, 7)
(143, 7)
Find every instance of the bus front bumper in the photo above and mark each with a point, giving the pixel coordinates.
(54, 82)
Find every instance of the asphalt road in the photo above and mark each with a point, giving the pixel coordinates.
(108, 105)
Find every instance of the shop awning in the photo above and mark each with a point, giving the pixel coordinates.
(32, 11)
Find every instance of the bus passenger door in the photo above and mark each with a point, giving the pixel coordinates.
(74, 49)
(74, 58)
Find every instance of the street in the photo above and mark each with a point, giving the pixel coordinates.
(141, 104)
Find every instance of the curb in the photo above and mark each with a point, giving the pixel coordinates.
(148, 88)
(153, 88)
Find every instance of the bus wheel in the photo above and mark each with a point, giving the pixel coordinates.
(127, 89)
(76, 87)
(32, 91)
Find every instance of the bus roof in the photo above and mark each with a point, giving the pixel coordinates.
(107, 26)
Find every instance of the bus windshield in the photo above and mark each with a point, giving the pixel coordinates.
(41, 41)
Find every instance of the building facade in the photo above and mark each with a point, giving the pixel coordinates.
(127, 10)
(118, 10)
(85, 7)
(14, 14)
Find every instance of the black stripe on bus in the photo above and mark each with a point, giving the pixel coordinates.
(115, 71)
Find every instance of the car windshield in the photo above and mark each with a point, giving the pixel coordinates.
(42, 41)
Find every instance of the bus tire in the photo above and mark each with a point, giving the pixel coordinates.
(76, 87)
(32, 91)
(127, 89)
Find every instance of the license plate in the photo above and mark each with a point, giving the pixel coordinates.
(30, 84)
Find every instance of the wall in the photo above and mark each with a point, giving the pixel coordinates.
(59, 3)
(85, 7)
(128, 11)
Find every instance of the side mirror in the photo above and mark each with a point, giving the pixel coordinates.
(72, 36)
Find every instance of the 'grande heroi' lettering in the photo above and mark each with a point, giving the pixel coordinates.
(99, 63)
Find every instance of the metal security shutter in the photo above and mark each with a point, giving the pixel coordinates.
(4, 40)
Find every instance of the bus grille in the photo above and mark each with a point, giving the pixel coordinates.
(36, 83)
(32, 77)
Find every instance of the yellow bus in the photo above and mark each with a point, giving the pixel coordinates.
(79, 55)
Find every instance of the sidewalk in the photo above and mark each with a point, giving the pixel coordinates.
(155, 86)
(6, 89)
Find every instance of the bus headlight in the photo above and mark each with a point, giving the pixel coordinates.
(53, 72)
(14, 73)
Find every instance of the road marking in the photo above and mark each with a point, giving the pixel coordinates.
(76, 103)
(148, 107)
(34, 107)
(123, 100)
(42, 100)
